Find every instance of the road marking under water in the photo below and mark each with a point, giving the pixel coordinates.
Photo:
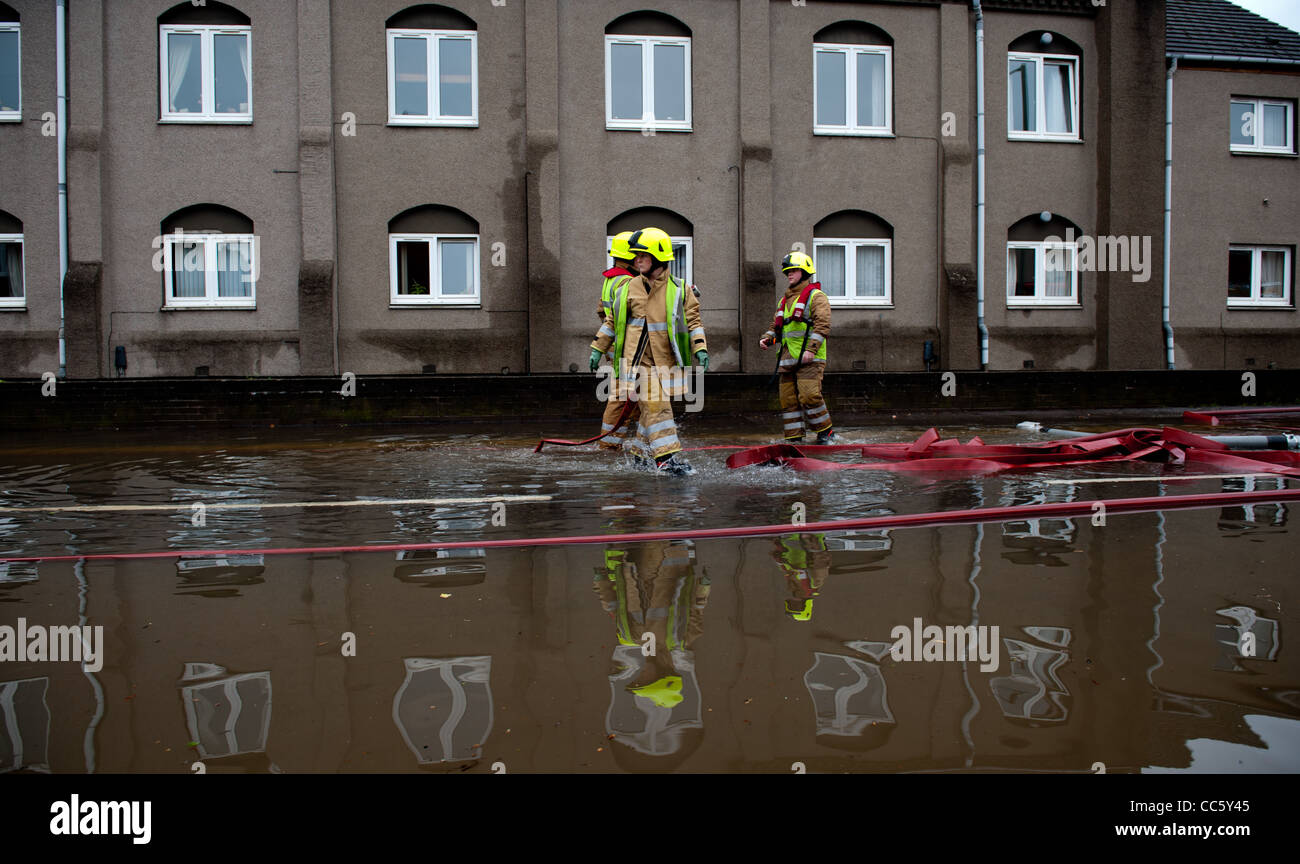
(276, 505)
(1157, 479)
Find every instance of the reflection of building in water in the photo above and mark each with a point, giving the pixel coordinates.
(1236, 645)
(1267, 518)
(1036, 541)
(849, 697)
(874, 540)
(442, 568)
(227, 714)
(444, 707)
(24, 725)
(657, 602)
(219, 576)
(1032, 691)
(17, 572)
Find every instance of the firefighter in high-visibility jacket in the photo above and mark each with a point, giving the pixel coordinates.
(615, 277)
(806, 563)
(801, 325)
(667, 312)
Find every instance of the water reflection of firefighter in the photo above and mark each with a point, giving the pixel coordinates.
(652, 590)
(806, 562)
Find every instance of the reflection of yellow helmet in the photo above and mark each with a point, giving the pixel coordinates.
(803, 614)
(618, 247)
(666, 692)
(653, 241)
(798, 261)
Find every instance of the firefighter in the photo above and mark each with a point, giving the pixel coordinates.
(806, 563)
(667, 312)
(615, 277)
(802, 323)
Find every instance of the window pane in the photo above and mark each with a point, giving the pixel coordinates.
(870, 271)
(413, 267)
(11, 269)
(234, 268)
(189, 269)
(832, 95)
(1274, 126)
(9, 70)
(184, 78)
(1271, 274)
(1242, 122)
(457, 267)
(681, 259)
(1021, 272)
(625, 83)
(455, 78)
(410, 77)
(230, 61)
(1059, 105)
(670, 82)
(1022, 97)
(871, 90)
(830, 269)
(1239, 266)
(1058, 264)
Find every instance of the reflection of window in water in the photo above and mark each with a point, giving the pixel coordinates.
(17, 572)
(229, 715)
(219, 576)
(1234, 644)
(24, 725)
(444, 707)
(656, 724)
(442, 568)
(876, 540)
(1032, 691)
(848, 694)
(1019, 491)
(1253, 517)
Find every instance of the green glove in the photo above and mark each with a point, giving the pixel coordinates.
(702, 358)
(595, 359)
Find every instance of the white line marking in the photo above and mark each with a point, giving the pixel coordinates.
(1156, 479)
(276, 505)
(619, 507)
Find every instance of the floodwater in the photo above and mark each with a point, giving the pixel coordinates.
(1152, 642)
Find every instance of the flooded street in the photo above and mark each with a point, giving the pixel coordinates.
(1145, 642)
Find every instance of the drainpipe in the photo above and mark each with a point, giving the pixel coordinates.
(979, 185)
(61, 84)
(1165, 322)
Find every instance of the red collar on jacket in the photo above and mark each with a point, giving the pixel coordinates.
(617, 271)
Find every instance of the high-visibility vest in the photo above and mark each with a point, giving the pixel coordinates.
(791, 322)
(675, 304)
(614, 277)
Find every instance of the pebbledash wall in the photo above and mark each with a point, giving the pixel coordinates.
(321, 174)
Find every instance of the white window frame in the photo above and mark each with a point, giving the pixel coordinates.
(850, 246)
(1040, 248)
(17, 114)
(852, 127)
(648, 122)
(677, 240)
(435, 296)
(207, 70)
(1255, 301)
(1040, 104)
(210, 298)
(16, 302)
(434, 93)
(1257, 111)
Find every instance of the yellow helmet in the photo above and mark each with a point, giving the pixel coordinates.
(666, 692)
(618, 247)
(798, 261)
(654, 242)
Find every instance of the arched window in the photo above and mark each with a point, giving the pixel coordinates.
(678, 227)
(853, 252)
(11, 90)
(12, 290)
(432, 67)
(1042, 261)
(1043, 87)
(648, 73)
(204, 64)
(433, 257)
(853, 79)
(209, 258)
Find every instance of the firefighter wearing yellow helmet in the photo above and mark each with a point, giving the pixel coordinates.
(801, 325)
(615, 277)
(667, 311)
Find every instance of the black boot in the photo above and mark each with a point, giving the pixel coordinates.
(826, 436)
(674, 464)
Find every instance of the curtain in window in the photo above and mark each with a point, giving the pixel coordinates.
(1020, 272)
(871, 90)
(181, 48)
(189, 271)
(235, 268)
(1022, 98)
(830, 269)
(230, 72)
(1058, 266)
(625, 85)
(1056, 96)
(1274, 128)
(1271, 275)
(832, 92)
(870, 275)
(678, 266)
(13, 261)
